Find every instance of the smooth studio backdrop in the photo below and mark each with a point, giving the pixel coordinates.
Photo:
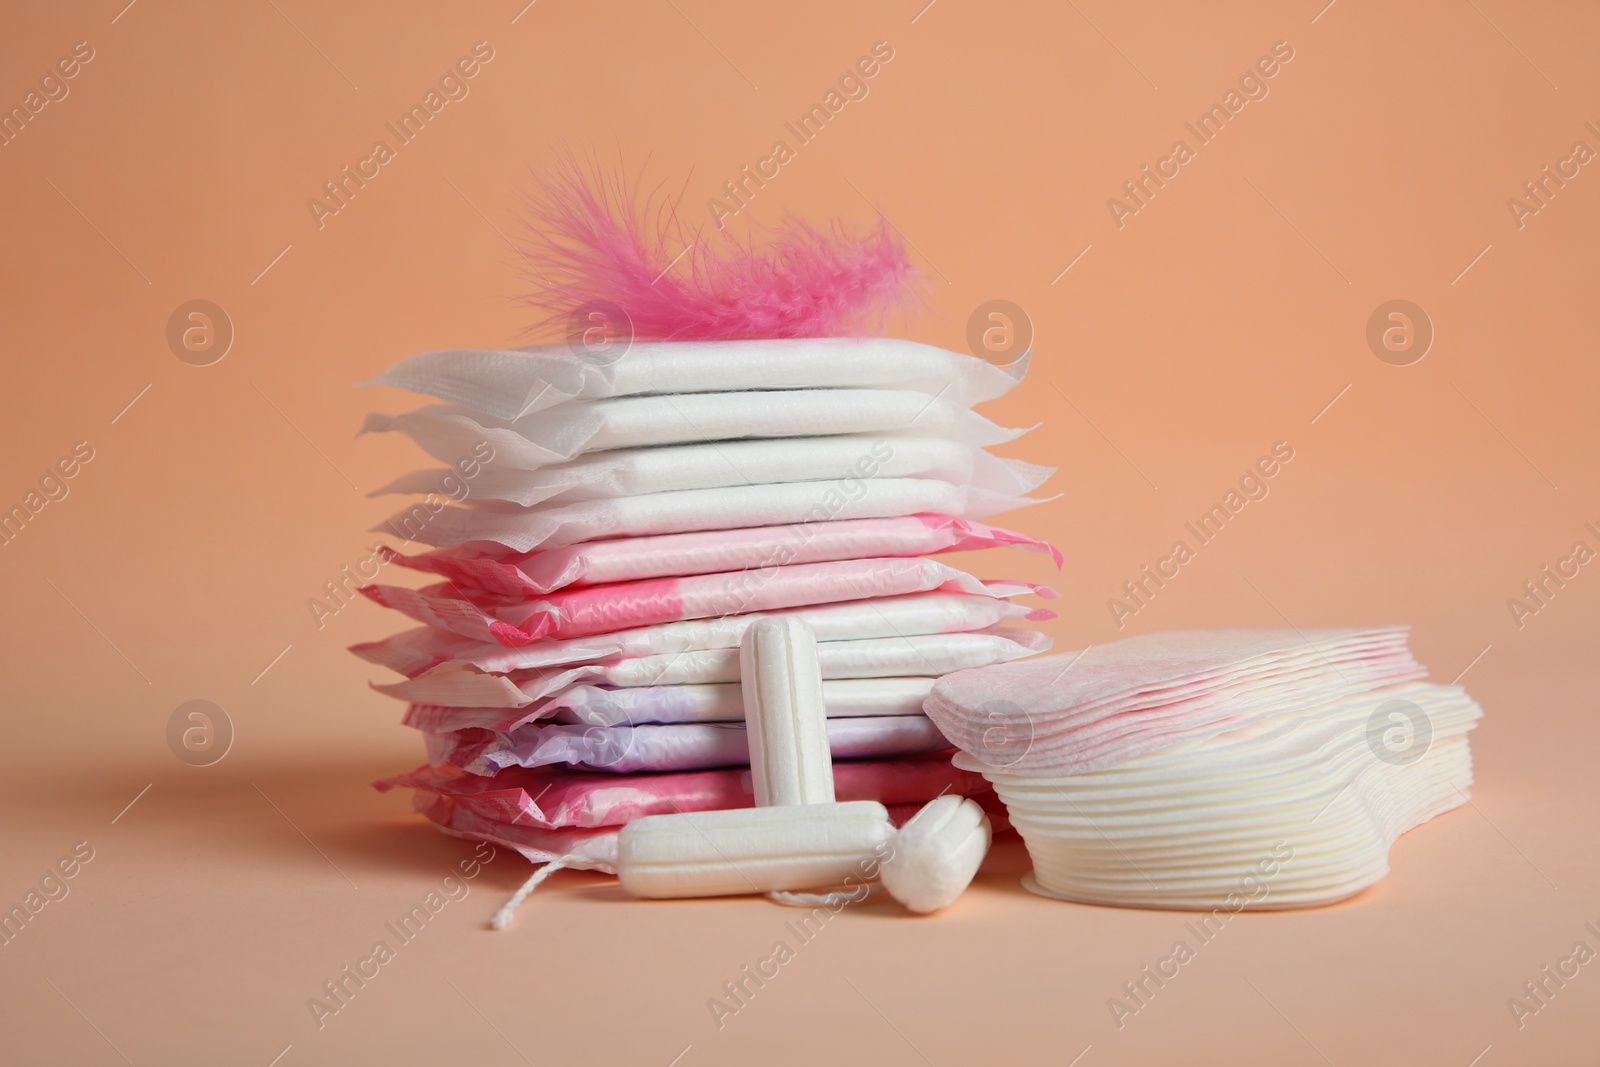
(1184, 326)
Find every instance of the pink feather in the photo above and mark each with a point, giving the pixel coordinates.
(588, 240)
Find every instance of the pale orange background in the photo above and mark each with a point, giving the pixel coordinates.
(1222, 318)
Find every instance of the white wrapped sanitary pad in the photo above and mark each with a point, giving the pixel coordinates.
(411, 652)
(508, 383)
(929, 654)
(844, 698)
(556, 436)
(554, 526)
(633, 471)
(711, 702)
(676, 747)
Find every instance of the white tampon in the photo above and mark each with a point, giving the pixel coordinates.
(785, 720)
(753, 850)
(936, 854)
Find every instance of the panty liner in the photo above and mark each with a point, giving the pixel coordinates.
(1222, 770)
(600, 609)
(1079, 711)
(1291, 812)
(411, 652)
(710, 551)
(508, 383)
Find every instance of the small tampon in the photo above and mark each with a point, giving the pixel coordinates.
(936, 854)
(753, 850)
(785, 720)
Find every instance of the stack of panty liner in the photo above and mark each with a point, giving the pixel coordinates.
(1214, 769)
(604, 532)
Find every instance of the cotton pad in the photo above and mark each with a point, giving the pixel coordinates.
(514, 621)
(556, 436)
(634, 471)
(411, 652)
(508, 383)
(687, 510)
(709, 551)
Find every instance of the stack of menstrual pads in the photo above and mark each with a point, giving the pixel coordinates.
(606, 528)
(1214, 769)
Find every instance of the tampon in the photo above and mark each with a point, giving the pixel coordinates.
(785, 720)
(753, 850)
(936, 854)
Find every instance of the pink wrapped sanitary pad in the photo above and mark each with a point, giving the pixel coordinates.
(595, 848)
(411, 652)
(598, 609)
(710, 551)
(554, 799)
